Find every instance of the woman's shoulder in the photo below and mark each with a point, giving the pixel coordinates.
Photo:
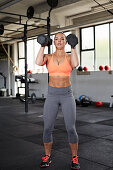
(48, 56)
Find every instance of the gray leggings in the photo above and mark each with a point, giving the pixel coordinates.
(64, 97)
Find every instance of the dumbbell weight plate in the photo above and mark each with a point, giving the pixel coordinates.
(30, 12)
(52, 3)
(41, 39)
(72, 40)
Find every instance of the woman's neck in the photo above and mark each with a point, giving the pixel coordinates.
(59, 52)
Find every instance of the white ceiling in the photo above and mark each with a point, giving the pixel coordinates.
(62, 16)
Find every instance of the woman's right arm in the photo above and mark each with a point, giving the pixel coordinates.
(41, 58)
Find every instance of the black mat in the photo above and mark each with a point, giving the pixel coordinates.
(21, 143)
(98, 150)
(95, 130)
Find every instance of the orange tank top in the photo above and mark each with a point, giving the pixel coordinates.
(63, 69)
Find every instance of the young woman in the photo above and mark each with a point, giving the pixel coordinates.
(59, 65)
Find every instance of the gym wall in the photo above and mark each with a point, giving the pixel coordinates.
(95, 84)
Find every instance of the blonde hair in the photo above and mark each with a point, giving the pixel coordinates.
(60, 33)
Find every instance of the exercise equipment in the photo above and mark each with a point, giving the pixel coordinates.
(101, 68)
(30, 12)
(29, 71)
(84, 100)
(85, 68)
(107, 68)
(52, 3)
(80, 68)
(24, 23)
(1, 29)
(44, 40)
(32, 97)
(72, 40)
(99, 104)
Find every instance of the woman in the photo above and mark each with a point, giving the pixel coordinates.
(59, 65)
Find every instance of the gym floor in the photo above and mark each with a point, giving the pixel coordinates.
(21, 146)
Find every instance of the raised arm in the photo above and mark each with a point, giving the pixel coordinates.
(73, 41)
(74, 58)
(43, 40)
(41, 58)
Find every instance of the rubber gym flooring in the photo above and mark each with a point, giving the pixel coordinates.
(21, 146)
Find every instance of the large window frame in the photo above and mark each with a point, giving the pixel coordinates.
(110, 48)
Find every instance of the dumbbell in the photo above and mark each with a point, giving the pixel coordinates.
(44, 40)
(72, 40)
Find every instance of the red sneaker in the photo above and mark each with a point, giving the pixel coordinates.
(46, 161)
(74, 163)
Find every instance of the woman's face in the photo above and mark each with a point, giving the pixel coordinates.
(60, 41)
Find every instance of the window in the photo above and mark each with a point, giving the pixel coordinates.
(87, 48)
(97, 46)
(32, 49)
(102, 45)
(88, 59)
(21, 58)
(87, 38)
(111, 52)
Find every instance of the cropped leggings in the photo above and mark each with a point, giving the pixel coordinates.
(65, 98)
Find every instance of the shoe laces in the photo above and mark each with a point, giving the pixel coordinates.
(45, 158)
(75, 159)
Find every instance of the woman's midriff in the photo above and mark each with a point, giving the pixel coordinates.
(59, 81)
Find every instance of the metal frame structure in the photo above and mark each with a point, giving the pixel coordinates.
(24, 38)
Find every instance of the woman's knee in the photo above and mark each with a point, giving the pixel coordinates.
(72, 135)
(47, 130)
(47, 135)
(71, 131)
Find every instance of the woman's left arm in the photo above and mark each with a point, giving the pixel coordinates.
(74, 58)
